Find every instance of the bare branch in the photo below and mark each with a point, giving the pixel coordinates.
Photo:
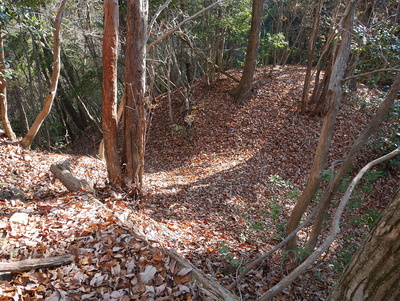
(160, 9)
(369, 73)
(182, 23)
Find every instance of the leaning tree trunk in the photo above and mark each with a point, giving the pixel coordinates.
(109, 107)
(334, 97)
(311, 49)
(3, 94)
(28, 139)
(374, 271)
(243, 90)
(349, 159)
(135, 113)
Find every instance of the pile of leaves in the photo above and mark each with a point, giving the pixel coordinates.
(111, 262)
(220, 183)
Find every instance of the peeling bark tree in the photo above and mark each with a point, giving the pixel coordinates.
(374, 271)
(334, 97)
(109, 106)
(3, 94)
(136, 111)
(28, 139)
(243, 90)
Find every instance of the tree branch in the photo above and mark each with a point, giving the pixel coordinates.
(182, 23)
(160, 9)
(37, 263)
(369, 73)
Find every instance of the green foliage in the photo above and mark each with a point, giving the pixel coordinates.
(23, 8)
(371, 216)
(348, 250)
(275, 209)
(237, 21)
(362, 189)
(277, 181)
(387, 139)
(269, 44)
(300, 253)
(378, 47)
(182, 130)
(293, 194)
(227, 255)
(273, 221)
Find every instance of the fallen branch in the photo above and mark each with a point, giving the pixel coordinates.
(62, 172)
(37, 263)
(206, 284)
(211, 286)
(285, 282)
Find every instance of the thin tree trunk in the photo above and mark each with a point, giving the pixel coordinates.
(28, 139)
(311, 49)
(243, 90)
(358, 144)
(171, 115)
(3, 94)
(334, 97)
(325, 61)
(23, 119)
(109, 108)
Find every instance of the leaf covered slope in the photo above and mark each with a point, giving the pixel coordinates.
(218, 189)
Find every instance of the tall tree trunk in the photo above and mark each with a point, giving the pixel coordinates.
(28, 139)
(243, 90)
(358, 144)
(311, 48)
(135, 114)
(3, 94)
(374, 271)
(324, 63)
(109, 107)
(334, 97)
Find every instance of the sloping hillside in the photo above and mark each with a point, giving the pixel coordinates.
(219, 188)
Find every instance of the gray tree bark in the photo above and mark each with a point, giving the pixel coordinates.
(374, 271)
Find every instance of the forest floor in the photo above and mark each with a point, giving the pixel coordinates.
(219, 188)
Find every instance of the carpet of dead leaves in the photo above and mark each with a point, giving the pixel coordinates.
(220, 182)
